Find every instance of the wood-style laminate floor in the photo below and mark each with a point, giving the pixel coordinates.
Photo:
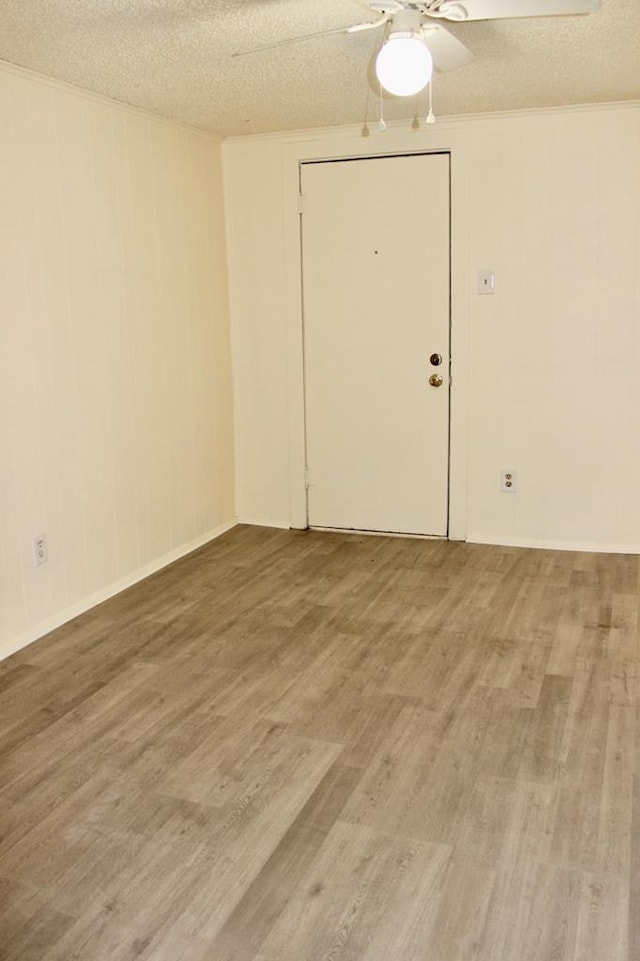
(321, 747)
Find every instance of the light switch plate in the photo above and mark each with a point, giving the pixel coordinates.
(486, 282)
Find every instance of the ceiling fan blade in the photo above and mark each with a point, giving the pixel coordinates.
(508, 9)
(354, 28)
(447, 51)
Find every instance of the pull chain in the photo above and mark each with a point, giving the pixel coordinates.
(431, 116)
(381, 124)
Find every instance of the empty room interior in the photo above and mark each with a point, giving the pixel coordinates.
(285, 676)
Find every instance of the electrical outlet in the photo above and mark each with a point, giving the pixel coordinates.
(40, 550)
(508, 480)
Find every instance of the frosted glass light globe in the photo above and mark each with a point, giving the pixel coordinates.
(404, 66)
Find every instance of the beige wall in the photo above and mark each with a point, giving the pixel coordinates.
(257, 292)
(546, 372)
(115, 388)
(555, 372)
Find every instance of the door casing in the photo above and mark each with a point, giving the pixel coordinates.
(429, 513)
(344, 144)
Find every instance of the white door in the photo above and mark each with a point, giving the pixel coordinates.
(375, 256)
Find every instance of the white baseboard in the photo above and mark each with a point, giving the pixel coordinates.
(591, 547)
(261, 522)
(61, 617)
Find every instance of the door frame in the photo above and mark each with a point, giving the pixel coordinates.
(433, 153)
(346, 146)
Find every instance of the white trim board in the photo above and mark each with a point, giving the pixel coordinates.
(587, 547)
(80, 607)
(261, 522)
(70, 88)
(453, 120)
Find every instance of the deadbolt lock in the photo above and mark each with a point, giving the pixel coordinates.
(435, 360)
(435, 380)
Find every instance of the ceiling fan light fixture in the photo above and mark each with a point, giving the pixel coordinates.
(404, 65)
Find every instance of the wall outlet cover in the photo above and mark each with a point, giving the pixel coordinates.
(486, 282)
(40, 550)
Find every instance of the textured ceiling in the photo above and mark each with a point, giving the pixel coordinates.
(173, 57)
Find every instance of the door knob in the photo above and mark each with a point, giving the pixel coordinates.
(435, 380)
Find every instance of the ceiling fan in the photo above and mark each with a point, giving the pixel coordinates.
(415, 39)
